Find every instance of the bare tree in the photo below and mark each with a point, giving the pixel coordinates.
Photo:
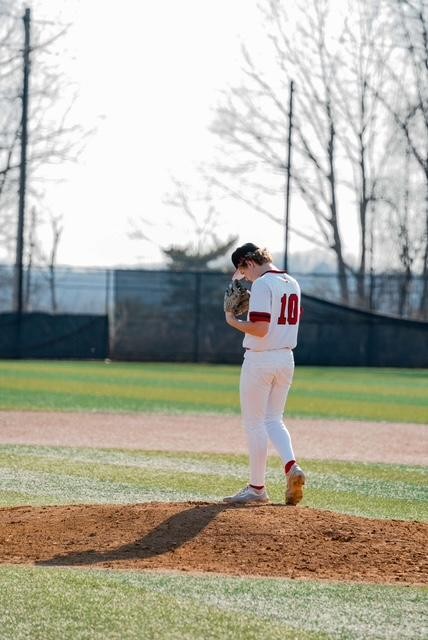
(401, 226)
(409, 78)
(31, 244)
(202, 214)
(317, 131)
(52, 138)
(44, 260)
(57, 228)
(346, 145)
(253, 122)
(364, 134)
(10, 66)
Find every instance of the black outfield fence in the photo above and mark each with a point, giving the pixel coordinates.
(43, 335)
(171, 316)
(331, 334)
(146, 315)
(178, 316)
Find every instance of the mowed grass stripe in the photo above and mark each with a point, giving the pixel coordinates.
(356, 409)
(379, 472)
(352, 385)
(175, 394)
(355, 504)
(380, 381)
(62, 488)
(53, 603)
(206, 386)
(386, 377)
(413, 378)
(169, 401)
(100, 476)
(116, 368)
(372, 395)
(211, 464)
(316, 392)
(76, 385)
(142, 375)
(35, 400)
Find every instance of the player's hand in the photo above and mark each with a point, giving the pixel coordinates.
(236, 298)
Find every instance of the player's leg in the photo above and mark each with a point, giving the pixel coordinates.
(278, 432)
(254, 392)
(254, 389)
(283, 367)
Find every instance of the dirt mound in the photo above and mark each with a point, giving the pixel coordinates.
(270, 540)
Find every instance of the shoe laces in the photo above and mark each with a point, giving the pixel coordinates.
(244, 490)
(251, 489)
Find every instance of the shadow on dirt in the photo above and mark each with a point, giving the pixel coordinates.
(171, 534)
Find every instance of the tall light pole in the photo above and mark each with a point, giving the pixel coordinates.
(18, 288)
(288, 182)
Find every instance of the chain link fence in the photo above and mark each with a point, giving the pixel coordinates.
(65, 290)
(178, 316)
(90, 290)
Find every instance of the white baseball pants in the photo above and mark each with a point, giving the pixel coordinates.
(266, 377)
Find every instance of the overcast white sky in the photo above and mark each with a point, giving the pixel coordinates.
(148, 74)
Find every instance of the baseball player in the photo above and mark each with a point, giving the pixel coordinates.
(270, 332)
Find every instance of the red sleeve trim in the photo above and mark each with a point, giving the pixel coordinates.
(258, 316)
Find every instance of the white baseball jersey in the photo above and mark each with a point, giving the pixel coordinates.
(275, 298)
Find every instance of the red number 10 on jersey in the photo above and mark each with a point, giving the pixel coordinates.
(289, 309)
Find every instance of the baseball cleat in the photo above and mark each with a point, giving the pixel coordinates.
(248, 495)
(295, 482)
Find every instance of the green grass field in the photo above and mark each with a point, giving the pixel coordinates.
(396, 395)
(62, 475)
(49, 604)
(77, 604)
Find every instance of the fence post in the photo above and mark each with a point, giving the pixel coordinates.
(197, 316)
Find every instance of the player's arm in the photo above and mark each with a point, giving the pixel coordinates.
(258, 329)
(258, 322)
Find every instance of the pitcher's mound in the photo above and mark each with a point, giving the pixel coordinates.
(269, 540)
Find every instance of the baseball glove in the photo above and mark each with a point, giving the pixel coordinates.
(236, 298)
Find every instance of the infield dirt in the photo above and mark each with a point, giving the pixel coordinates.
(269, 540)
(312, 439)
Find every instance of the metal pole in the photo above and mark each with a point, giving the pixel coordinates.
(18, 289)
(197, 316)
(287, 192)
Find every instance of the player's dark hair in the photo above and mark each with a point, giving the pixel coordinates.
(250, 251)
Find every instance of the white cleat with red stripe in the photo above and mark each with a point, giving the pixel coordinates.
(248, 495)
